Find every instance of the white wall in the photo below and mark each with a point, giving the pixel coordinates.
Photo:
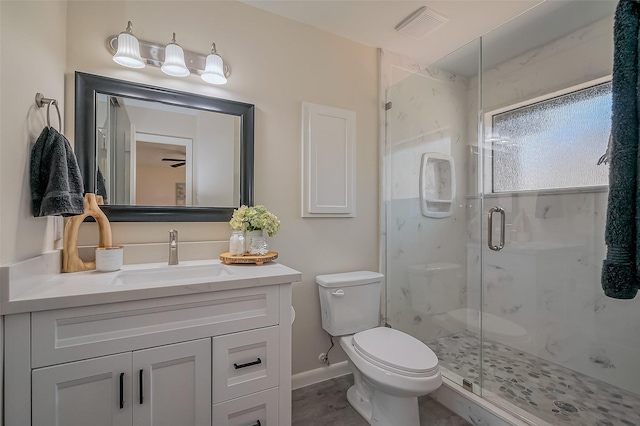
(33, 46)
(277, 64)
(160, 122)
(214, 156)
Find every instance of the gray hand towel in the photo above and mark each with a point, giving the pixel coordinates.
(101, 189)
(56, 182)
(621, 268)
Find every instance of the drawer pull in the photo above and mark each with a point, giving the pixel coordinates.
(249, 364)
(121, 391)
(141, 387)
(257, 423)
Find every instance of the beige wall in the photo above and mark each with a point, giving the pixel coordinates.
(33, 47)
(156, 185)
(277, 64)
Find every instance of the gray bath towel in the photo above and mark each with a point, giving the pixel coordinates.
(621, 268)
(56, 183)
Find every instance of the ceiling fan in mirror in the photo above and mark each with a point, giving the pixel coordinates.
(180, 162)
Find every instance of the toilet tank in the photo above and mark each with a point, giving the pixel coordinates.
(435, 288)
(349, 302)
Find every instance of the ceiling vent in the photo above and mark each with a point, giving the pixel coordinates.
(421, 22)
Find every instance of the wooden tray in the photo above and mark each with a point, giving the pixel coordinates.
(228, 259)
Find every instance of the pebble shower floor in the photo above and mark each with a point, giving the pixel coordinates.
(553, 393)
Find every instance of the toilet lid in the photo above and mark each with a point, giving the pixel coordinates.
(396, 349)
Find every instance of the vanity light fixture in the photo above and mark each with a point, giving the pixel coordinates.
(128, 54)
(214, 69)
(172, 59)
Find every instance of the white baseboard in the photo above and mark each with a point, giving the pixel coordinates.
(321, 374)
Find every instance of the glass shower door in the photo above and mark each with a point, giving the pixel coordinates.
(554, 347)
(432, 211)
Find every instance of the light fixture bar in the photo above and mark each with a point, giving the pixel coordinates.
(153, 54)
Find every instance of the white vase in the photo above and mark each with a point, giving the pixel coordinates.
(256, 243)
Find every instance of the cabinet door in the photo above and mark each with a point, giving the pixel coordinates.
(173, 385)
(83, 393)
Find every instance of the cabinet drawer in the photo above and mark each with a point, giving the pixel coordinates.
(245, 362)
(65, 335)
(260, 408)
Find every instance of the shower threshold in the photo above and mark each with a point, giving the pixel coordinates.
(550, 392)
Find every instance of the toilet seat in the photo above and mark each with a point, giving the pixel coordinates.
(396, 351)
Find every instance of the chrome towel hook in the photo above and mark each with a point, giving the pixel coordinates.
(41, 101)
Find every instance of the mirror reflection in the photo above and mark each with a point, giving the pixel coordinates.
(155, 154)
(124, 130)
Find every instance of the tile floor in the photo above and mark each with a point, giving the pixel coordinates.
(325, 404)
(553, 393)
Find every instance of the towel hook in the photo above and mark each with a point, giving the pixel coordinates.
(41, 101)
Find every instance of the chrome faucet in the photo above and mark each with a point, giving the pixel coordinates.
(173, 247)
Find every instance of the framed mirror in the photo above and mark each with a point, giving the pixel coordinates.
(160, 155)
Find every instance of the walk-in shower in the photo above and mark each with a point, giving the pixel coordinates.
(515, 310)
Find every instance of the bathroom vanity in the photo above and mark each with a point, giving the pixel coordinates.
(200, 343)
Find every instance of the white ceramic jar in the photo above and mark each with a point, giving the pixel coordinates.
(109, 259)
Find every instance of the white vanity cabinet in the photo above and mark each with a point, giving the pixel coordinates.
(216, 358)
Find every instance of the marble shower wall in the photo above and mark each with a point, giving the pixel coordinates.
(550, 286)
(429, 114)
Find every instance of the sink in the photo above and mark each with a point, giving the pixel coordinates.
(172, 275)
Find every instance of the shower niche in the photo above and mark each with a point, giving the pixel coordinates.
(437, 185)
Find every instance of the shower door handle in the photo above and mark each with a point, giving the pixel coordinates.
(492, 210)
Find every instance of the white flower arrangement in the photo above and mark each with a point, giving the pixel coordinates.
(254, 218)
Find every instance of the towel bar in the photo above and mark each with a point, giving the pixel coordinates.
(41, 101)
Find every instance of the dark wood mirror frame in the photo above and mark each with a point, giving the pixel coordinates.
(87, 86)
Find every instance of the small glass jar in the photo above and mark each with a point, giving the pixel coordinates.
(258, 246)
(236, 243)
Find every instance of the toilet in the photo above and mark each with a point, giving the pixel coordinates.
(390, 368)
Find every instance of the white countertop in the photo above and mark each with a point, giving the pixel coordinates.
(35, 284)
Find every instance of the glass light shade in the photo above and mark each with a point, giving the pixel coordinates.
(174, 61)
(128, 54)
(214, 70)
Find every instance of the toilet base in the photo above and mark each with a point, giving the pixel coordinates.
(359, 403)
(387, 411)
(379, 408)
